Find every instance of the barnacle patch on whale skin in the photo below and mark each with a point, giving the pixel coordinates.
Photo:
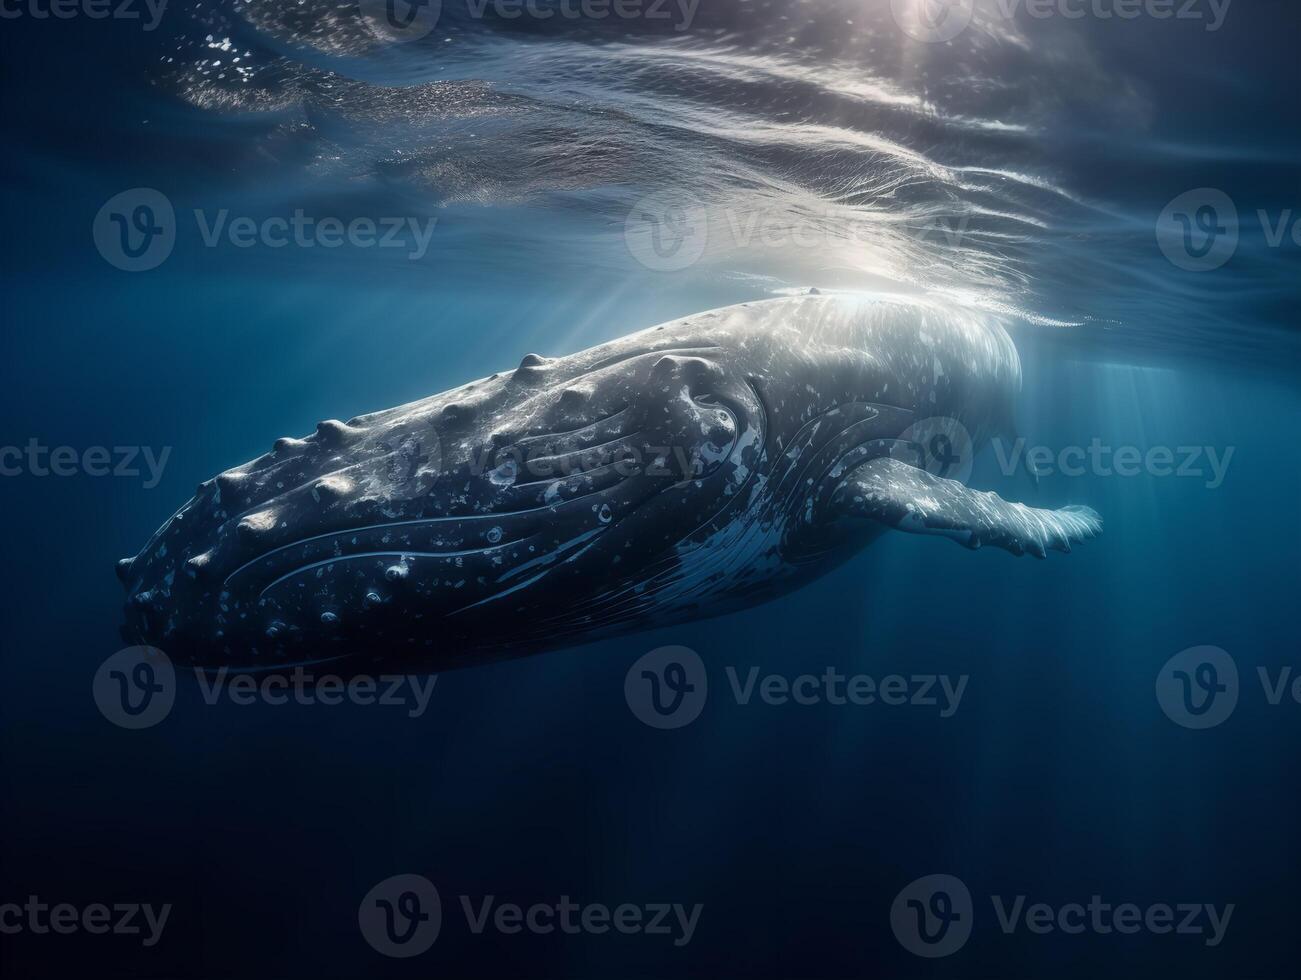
(331, 488)
(257, 523)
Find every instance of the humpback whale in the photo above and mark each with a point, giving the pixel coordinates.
(691, 469)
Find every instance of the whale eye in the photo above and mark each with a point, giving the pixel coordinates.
(719, 426)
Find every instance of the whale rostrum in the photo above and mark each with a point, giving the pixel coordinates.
(691, 469)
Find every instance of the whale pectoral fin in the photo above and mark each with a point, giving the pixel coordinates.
(911, 499)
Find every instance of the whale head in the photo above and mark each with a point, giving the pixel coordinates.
(657, 477)
(446, 529)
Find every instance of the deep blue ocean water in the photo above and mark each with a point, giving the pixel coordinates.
(1022, 169)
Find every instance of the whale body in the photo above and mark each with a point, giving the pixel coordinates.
(688, 470)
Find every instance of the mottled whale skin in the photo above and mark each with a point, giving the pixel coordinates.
(687, 470)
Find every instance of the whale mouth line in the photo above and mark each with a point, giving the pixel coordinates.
(393, 553)
(527, 441)
(417, 523)
(548, 563)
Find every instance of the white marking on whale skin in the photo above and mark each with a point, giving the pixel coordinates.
(548, 558)
(745, 549)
